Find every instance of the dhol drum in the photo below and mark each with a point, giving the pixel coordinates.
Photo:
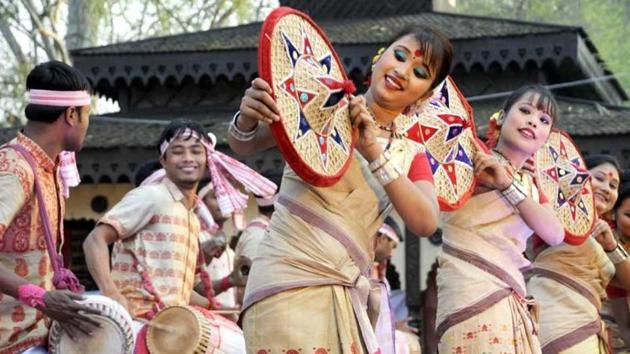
(188, 329)
(114, 337)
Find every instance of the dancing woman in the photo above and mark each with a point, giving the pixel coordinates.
(308, 288)
(570, 281)
(481, 292)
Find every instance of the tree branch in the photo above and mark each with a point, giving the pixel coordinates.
(15, 47)
(39, 26)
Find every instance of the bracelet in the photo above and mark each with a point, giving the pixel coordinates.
(237, 133)
(513, 194)
(618, 255)
(387, 174)
(225, 284)
(380, 161)
(31, 295)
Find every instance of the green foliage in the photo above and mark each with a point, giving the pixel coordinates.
(605, 21)
(28, 37)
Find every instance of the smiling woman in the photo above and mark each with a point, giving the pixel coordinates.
(481, 290)
(570, 281)
(605, 173)
(616, 310)
(319, 244)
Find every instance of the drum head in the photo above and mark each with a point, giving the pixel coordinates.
(115, 336)
(108, 339)
(310, 87)
(177, 330)
(444, 125)
(564, 179)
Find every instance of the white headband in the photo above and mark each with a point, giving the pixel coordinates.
(265, 202)
(389, 232)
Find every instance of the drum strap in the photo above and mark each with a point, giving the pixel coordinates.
(63, 278)
(205, 279)
(148, 286)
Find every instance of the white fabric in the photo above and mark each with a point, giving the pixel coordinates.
(219, 268)
(36, 350)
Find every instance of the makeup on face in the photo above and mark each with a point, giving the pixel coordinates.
(401, 76)
(605, 180)
(525, 127)
(622, 216)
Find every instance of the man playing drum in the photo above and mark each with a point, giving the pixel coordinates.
(58, 116)
(156, 227)
(155, 262)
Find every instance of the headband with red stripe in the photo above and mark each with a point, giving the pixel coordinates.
(58, 98)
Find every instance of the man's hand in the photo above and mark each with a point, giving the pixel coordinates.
(73, 318)
(241, 271)
(118, 297)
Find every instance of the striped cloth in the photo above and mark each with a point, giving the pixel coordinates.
(224, 168)
(68, 171)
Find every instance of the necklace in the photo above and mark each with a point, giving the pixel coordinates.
(390, 128)
(505, 160)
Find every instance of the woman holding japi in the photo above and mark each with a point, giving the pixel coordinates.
(616, 310)
(308, 288)
(482, 305)
(569, 281)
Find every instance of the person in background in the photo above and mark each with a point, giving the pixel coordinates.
(569, 281)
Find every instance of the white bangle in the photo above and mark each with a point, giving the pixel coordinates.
(380, 161)
(386, 174)
(618, 255)
(513, 194)
(237, 133)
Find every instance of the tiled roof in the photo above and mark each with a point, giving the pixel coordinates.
(105, 132)
(374, 30)
(357, 8)
(577, 117)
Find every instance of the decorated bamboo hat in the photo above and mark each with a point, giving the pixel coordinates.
(311, 90)
(444, 125)
(564, 179)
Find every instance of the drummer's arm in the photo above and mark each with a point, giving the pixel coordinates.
(249, 131)
(198, 300)
(11, 201)
(9, 282)
(97, 257)
(218, 285)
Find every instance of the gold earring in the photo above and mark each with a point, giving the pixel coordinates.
(377, 56)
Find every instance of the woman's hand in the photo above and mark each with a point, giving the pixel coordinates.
(367, 144)
(529, 166)
(490, 172)
(258, 105)
(604, 235)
